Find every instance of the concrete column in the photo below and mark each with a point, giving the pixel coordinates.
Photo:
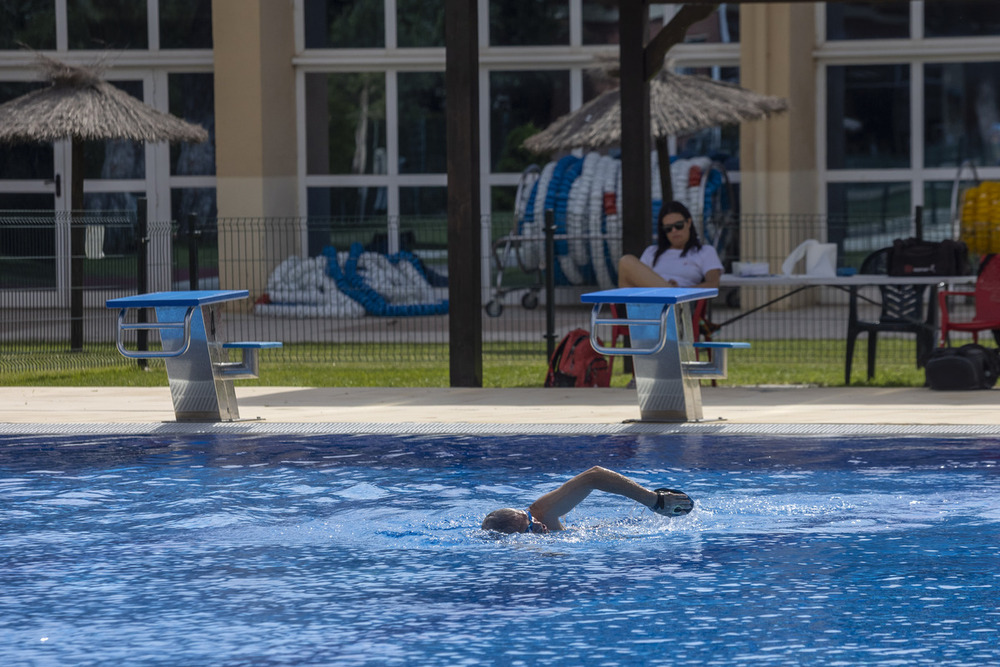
(255, 139)
(778, 155)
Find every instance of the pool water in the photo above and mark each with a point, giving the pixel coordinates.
(243, 550)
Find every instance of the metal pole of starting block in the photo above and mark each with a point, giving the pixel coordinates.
(550, 282)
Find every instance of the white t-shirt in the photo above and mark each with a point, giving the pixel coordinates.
(688, 270)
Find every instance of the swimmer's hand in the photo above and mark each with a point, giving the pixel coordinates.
(672, 503)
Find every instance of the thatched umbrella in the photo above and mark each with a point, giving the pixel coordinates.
(678, 104)
(80, 106)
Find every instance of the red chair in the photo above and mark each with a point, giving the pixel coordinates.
(987, 303)
(703, 330)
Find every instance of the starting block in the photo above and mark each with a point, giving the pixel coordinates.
(198, 366)
(667, 372)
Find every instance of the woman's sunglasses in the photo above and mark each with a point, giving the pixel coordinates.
(677, 226)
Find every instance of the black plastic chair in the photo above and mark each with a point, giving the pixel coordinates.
(902, 310)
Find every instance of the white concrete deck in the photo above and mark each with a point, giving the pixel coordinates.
(973, 411)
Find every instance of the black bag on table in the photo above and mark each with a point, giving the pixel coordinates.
(968, 367)
(912, 257)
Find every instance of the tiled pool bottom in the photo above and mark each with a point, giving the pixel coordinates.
(318, 549)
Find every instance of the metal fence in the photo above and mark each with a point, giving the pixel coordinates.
(376, 289)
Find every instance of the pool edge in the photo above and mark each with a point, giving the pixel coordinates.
(420, 428)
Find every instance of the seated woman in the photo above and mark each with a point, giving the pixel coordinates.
(678, 260)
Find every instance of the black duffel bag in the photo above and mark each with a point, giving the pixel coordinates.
(912, 257)
(968, 367)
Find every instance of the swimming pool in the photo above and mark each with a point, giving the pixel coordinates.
(293, 550)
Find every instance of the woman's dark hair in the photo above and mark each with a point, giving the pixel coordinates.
(662, 242)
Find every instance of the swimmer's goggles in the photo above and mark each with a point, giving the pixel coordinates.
(531, 522)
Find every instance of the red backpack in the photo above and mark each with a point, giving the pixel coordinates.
(575, 363)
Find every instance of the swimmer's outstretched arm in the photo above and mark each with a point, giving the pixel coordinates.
(555, 504)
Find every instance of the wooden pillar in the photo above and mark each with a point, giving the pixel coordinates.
(636, 170)
(465, 320)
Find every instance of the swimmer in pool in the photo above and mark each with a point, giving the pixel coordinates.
(543, 514)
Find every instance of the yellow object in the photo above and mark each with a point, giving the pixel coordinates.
(980, 218)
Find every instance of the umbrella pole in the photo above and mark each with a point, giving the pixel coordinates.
(663, 159)
(77, 249)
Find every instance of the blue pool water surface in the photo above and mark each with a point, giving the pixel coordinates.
(301, 550)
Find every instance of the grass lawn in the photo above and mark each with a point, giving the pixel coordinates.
(818, 363)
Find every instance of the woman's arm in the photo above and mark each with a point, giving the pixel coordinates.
(712, 279)
(555, 504)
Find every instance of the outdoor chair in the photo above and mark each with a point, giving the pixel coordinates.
(986, 298)
(901, 311)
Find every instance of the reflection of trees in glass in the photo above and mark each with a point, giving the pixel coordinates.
(186, 24)
(514, 157)
(344, 24)
(28, 22)
(192, 97)
(528, 22)
(422, 126)
(356, 107)
(107, 24)
(108, 158)
(519, 98)
(419, 23)
(961, 113)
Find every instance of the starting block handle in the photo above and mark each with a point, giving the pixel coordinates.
(622, 351)
(185, 326)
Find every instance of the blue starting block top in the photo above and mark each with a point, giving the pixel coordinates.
(661, 295)
(177, 299)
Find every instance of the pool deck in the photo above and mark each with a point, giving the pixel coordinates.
(877, 409)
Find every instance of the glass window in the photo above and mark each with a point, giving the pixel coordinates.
(531, 23)
(419, 23)
(192, 97)
(116, 158)
(186, 24)
(868, 116)
(28, 160)
(962, 122)
(199, 202)
(28, 22)
(114, 238)
(721, 142)
(600, 21)
(722, 26)
(424, 201)
(346, 204)
(868, 20)
(107, 24)
(27, 248)
(936, 218)
(502, 206)
(423, 228)
(422, 131)
(345, 123)
(961, 18)
(521, 104)
(867, 216)
(344, 24)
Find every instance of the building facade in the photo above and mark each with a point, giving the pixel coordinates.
(335, 108)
